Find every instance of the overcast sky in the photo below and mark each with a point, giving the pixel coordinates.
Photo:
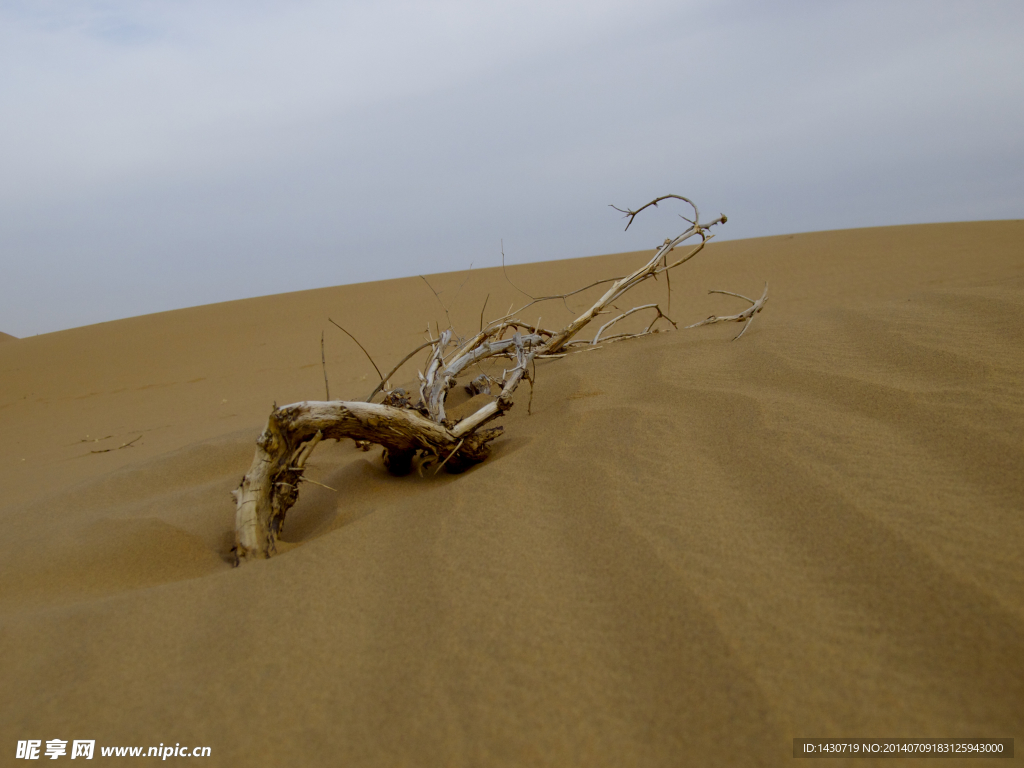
(157, 154)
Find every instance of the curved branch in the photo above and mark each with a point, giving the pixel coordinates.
(270, 487)
(360, 346)
(406, 431)
(394, 370)
(746, 315)
(610, 323)
(632, 214)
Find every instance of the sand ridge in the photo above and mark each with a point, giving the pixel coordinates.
(691, 552)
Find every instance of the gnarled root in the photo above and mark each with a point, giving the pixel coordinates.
(271, 486)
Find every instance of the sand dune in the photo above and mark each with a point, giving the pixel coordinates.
(7, 337)
(691, 552)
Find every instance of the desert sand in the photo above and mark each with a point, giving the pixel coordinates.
(6, 337)
(689, 552)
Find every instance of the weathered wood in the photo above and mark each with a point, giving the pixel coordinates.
(746, 316)
(423, 430)
(270, 487)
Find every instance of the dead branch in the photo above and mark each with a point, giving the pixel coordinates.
(292, 433)
(360, 346)
(488, 297)
(610, 323)
(323, 361)
(746, 316)
(129, 444)
(394, 370)
(409, 431)
(438, 297)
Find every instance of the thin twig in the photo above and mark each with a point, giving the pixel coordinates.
(746, 315)
(360, 346)
(668, 282)
(696, 249)
(624, 315)
(122, 445)
(531, 378)
(394, 370)
(505, 273)
(632, 214)
(323, 360)
(482, 311)
(560, 297)
(314, 482)
(457, 292)
(438, 297)
(454, 451)
(304, 479)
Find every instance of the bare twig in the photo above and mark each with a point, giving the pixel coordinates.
(323, 360)
(461, 286)
(632, 214)
(505, 273)
(456, 448)
(668, 285)
(314, 482)
(438, 297)
(746, 316)
(122, 445)
(360, 346)
(610, 323)
(403, 361)
(532, 378)
(486, 299)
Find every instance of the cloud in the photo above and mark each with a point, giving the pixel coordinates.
(164, 154)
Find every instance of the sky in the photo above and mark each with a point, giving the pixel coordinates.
(158, 154)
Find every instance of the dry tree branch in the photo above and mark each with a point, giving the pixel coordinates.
(360, 346)
(394, 370)
(486, 299)
(408, 430)
(122, 445)
(655, 307)
(746, 315)
(437, 295)
(462, 285)
(323, 360)
(504, 271)
(656, 264)
(632, 214)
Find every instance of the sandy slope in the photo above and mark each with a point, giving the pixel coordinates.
(691, 552)
(7, 337)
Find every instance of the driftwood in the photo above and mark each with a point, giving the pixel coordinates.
(423, 430)
(746, 316)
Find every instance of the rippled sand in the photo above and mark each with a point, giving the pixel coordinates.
(691, 552)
